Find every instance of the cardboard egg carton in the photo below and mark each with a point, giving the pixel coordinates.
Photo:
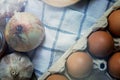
(81, 45)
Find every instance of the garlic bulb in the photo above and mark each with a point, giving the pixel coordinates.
(15, 66)
(24, 32)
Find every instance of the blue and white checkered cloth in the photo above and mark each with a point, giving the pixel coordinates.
(63, 27)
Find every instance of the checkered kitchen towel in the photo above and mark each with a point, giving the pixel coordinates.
(63, 27)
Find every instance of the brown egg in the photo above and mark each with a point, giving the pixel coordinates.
(79, 64)
(114, 65)
(114, 22)
(56, 77)
(100, 44)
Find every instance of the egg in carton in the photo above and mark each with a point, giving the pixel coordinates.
(96, 63)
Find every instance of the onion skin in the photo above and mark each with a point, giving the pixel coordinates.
(15, 66)
(24, 32)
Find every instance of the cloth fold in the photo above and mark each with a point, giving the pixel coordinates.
(63, 27)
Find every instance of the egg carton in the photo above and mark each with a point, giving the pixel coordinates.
(100, 65)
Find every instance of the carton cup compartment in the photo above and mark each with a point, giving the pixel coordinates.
(100, 64)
